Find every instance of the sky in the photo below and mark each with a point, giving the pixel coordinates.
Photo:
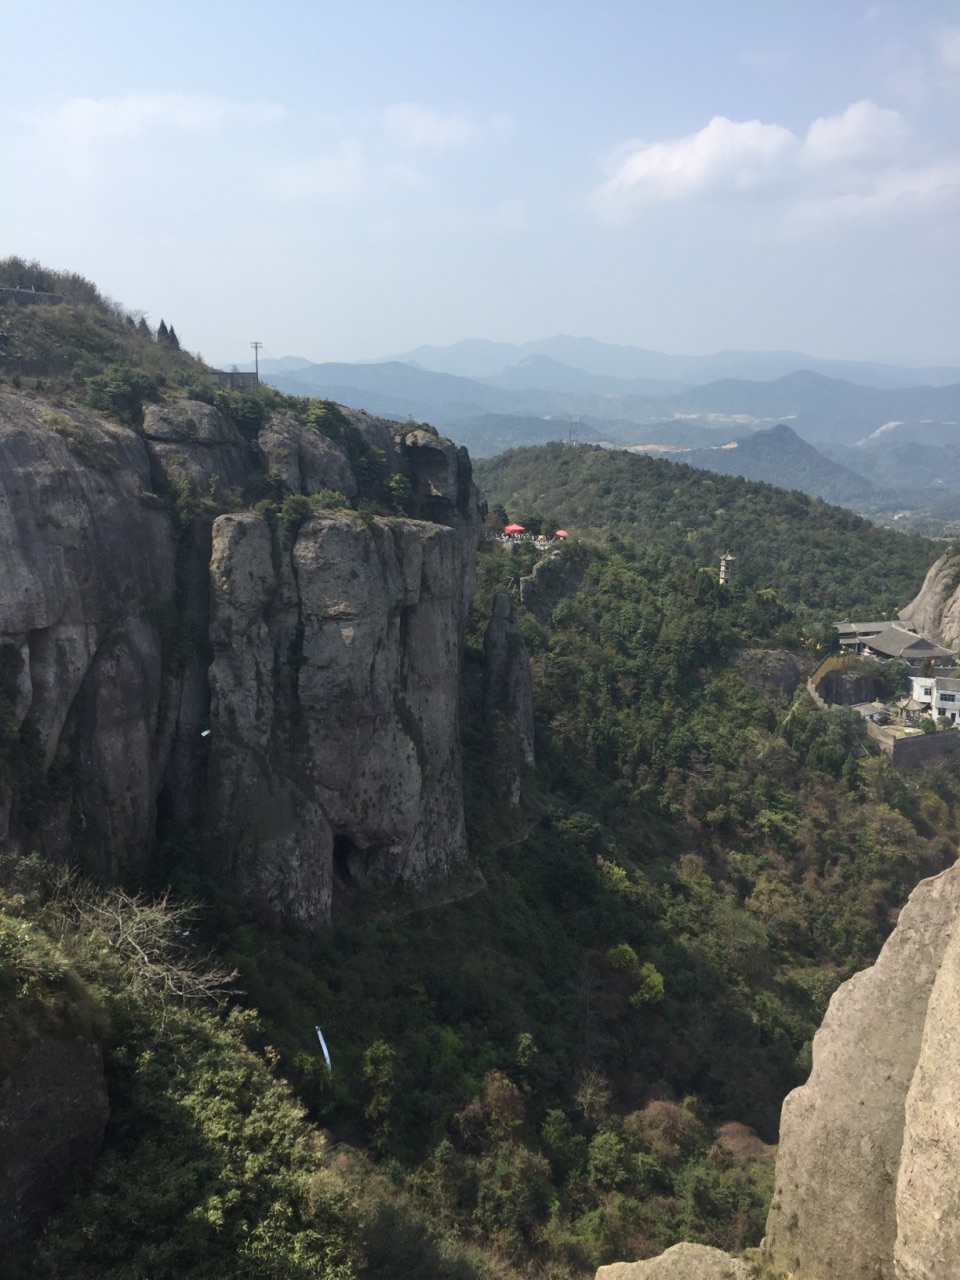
(347, 181)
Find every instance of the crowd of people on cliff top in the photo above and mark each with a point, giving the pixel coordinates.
(517, 533)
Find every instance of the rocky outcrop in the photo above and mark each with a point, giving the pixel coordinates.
(335, 748)
(192, 444)
(336, 647)
(936, 610)
(682, 1262)
(507, 698)
(928, 1183)
(86, 569)
(868, 1169)
(305, 460)
(551, 580)
(866, 1186)
(775, 673)
(851, 688)
(53, 1112)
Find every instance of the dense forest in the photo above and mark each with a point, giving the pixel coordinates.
(815, 556)
(579, 1053)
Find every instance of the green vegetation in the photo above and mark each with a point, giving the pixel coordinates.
(813, 555)
(210, 1167)
(551, 1065)
(662, 924)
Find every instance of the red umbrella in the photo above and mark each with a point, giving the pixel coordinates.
(561, 533)
(514, 528)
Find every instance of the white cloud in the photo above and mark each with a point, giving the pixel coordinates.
(419, 128)
(723, 154)
(923, 187)
(949, 43)
(863, 132)
(861, 162)
(83, 122)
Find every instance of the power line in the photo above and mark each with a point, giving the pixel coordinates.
(256, 359)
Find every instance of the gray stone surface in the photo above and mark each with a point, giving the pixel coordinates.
(335, 747)
(507, 698)
(305, 460)
(682, 1262)
(192, 443)
(86, 568)
(551, 580)
(936, 609)
(337, 651)
(53, 1111)
(928, 1184)
(834, 1214)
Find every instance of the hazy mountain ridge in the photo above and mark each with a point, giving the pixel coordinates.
(817, 407)
(478, 358)
(882, 451)
(781, 457)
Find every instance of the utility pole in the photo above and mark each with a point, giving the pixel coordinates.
(256, 359)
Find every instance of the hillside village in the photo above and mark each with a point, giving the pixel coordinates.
(915, 683)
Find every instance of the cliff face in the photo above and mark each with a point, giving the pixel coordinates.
(838, 1208)
(332, 695)
(335, 753)
(868, 1168)
(507, 698)
(936, 609)
(86, 560)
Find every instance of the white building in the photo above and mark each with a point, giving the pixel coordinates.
(937, 695)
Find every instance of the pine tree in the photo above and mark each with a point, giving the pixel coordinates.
(172, 338)
(162, 335)
(144, 328)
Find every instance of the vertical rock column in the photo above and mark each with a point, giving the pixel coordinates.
(507, 698)
(335, 756)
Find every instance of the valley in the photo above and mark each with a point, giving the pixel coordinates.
(550, 842)
(871, 437)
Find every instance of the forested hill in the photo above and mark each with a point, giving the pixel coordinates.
(810, 553)
(546, 1061)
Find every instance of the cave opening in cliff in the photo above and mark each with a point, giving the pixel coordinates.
(345, 853)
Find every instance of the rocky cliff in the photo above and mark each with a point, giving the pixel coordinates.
(867, 1182)
(141, 605)
(507, 698)
(851, 1191)
(335, 756)
(936, 609)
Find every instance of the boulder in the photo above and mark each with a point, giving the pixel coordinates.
(928, 1182)
(305, 460)
(193, 444)
(935, 611)
(551, 580)
(682, 1262)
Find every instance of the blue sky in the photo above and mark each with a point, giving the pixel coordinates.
(349, 180)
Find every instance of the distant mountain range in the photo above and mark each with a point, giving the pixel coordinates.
(480, 358)
(819, 408)
(870, 436)
(780, 457)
